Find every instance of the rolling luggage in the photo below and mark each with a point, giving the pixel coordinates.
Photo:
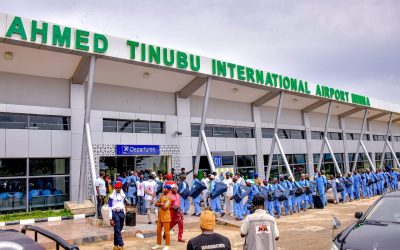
(197, 189)
(130, 219)
(317, 202)
(220, 188)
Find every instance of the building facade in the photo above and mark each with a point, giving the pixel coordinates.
(147, 116)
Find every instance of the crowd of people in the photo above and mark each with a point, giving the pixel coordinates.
(169, 195)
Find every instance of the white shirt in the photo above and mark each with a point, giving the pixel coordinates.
(117, 202)
(140, 188)
(150, 187)
(229, 184)
(101, 184)
(261, 214)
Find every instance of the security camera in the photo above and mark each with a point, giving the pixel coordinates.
(178, 133)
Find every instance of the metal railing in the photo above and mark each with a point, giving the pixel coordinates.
(60, 242)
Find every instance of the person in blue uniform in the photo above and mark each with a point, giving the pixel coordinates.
(321, 182)
(288, 187)
(216, 202)
(364, 186)
(342, 188)
(356, 184)
(254, 192)
(303, 198)
(311, 191)
(196, 200)
(395, 181)
(268, 203)
(349, 188)
(295, 199)
(371, 183)
(277, 204)
(237, 204)
(183, 187)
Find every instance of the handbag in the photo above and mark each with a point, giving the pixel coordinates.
(339, 187)
(186, 192)
(219, 189)
(197, 189)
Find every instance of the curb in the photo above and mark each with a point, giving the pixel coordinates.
(48, 219)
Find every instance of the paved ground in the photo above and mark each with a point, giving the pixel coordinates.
(307, 230)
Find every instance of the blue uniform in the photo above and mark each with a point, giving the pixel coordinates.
(295, 200)
(131, 182)
(364, 186)
(254, 191)
(321, 184)
(216, 202)
(357, 186)
(371, 187)
(313, 188)
(277, 203)
(303, 198)
(350, 189)
(287, 203)
(184, 201)
(395, 180)
(196, 200)
(237, 206)
(343, 193)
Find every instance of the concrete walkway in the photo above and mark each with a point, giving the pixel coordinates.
(80, 231)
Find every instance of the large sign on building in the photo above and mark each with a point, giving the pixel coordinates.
(15, 29)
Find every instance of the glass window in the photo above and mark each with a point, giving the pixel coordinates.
(378, 137)
(141, 127)
(12, 194)
(13, 121)
(125, 126)
(284, 133)
(12, 167)
(109, 125)
(39, 167)
(385, 210)
(46, 122)
(297, 134)
(227, 160)
(365, 137)
(334, 136)
(245, 160)
(316, 135)
(157, 127)
(226, 132)
(209, 131)
(267, 132)
(46, 192)
(195, 130)
(244, 132)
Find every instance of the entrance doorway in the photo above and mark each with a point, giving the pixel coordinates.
(114, 165)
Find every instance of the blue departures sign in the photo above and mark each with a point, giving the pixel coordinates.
(217, 160)
(137, 149)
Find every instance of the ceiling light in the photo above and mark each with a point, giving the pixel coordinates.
(235, 90)
(146, 75)
(295, 100)
(8, 55)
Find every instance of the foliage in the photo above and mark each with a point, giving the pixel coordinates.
(34, 214)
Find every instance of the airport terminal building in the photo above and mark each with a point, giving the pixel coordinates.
(141, 106)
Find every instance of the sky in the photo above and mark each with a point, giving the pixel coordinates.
(352, 45)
